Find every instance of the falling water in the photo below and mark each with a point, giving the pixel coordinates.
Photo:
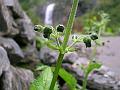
(49, 14)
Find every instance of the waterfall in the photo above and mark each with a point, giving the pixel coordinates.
(49, 14)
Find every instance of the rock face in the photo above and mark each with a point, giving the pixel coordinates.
(15, 54)
(12, 78)
(16, 79)
(14, 21)
(4, 61)
(7, 24)
(48, 56)
(16, 32)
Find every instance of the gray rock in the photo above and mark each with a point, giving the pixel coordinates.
(14, 52)
(96, 80)
(16, 79)
(25, 25)
(14, 21)
(9, 2)
(71, 57)
(4, 61)
(48, 56)
(15, 8)
(31, 55)
(109, 54)
(7, 23)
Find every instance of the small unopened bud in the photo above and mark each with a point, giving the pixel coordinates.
(87, 42)
(38, 28)
(94, 36)
(47, 31)
(60, 28)
(74, 37)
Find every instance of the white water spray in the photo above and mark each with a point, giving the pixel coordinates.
(49, 14)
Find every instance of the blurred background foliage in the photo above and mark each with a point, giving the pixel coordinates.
(87, 8)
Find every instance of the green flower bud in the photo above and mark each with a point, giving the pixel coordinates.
(38, 28)
(74, 37)
(94, 36)
(46, 36)
(47, 31)
(60, 28)
(87, 42)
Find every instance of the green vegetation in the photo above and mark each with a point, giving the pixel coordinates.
(51, 35)
(30, 7)
(112, 7)
(94, 26)
(43, 81)
(108, 6)
(96, 23)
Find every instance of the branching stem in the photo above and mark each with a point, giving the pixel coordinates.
(68, 30)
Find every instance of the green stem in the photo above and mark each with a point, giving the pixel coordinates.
(55, 75)
(85, 82)
(94, 53)
(70, 23)
(64, 45)
(72, 44)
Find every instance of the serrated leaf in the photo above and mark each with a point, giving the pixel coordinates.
(68, 78)
(43, 81)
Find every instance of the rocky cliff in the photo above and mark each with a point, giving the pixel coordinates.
(17, 46)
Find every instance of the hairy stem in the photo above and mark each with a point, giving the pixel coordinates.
(70, 23)
(55, 74)
(64, 45)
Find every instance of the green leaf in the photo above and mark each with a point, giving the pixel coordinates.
(41, 67)
(43, 81)
(92, 66)
(52, 46)
(68, 78)
(39, 42)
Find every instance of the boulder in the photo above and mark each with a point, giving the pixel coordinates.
(4, 61)
(16, 79)
(14, 21)
(48, 56)
(15, 54)
(7, 23)
(15, 8)
(103, 79)
(16, 31)
(26, 28)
